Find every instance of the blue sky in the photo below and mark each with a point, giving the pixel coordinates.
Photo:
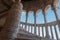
(40, 19)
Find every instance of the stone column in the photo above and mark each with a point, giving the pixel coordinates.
(54, 5)
(34, 23)
(57, 19)
(56, 32)
(39, 31)
(51, 33)
(28, 28)
(31, 29)
(47, 33)
(11, 28)
(59, 25)
(42, 32)
(26, 20)
(22, 26)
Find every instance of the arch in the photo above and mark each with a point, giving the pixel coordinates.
(31, 17)
(47, 7)
(39, 18)
(23, 16)
(50, 15)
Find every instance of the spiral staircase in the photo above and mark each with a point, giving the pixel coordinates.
(11, 28)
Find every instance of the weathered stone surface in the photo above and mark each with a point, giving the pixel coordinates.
(35, 5)
(10, 30)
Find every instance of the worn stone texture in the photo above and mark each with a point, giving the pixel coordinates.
(10, 30)
(36, 5)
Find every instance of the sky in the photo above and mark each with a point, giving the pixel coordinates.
(50, 17)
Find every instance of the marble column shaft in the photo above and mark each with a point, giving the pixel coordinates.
(34, 23)
(47, 33)
(26, 20)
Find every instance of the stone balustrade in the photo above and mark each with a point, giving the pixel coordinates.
(41, 28)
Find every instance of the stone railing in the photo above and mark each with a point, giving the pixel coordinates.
(41, 29)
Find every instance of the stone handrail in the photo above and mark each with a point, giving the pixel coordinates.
(48, 24)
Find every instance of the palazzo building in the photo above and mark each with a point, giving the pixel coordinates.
(12, 28)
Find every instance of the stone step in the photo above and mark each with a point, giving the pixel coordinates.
(26, 35)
